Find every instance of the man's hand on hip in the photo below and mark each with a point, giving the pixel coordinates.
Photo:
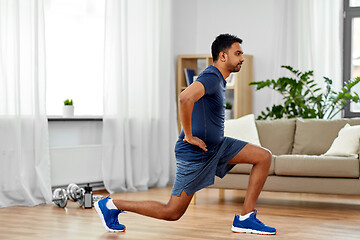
(196, 141)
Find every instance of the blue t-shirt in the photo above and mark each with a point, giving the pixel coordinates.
(208, 115)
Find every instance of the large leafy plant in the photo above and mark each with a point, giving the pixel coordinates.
(303, 97)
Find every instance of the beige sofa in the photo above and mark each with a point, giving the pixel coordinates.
(298, 164)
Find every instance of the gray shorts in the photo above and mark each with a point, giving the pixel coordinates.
(196, 169)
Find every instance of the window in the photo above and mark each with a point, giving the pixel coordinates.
(74, 36)
(354, 3)
(352, 49)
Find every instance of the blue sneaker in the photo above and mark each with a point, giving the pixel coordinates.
(109, 217)
(251, 225)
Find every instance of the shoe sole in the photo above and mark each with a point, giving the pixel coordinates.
(247, 230)
(99, 212)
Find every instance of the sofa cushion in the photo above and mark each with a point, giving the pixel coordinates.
(242, 128)
(277, 135)
(347, 142)
(317, 166)
(315, 136)
(353, 122)
(246, 168)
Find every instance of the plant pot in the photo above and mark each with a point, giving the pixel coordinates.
(68, 111)
(227, 114)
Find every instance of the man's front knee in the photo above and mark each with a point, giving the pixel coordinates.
(264, 157)
(267, 157)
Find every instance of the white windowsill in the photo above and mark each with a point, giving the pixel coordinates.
(75, 118)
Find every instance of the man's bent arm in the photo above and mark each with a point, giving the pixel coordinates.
(187, 98)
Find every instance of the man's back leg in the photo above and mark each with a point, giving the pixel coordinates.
(171, 211)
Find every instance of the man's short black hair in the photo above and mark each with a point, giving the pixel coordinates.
(221, 43)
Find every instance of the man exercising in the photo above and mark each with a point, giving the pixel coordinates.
(202, 152)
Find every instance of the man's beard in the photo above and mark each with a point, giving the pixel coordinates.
(237, 68)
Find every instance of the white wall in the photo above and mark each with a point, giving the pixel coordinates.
(184, 18)
(74, 133)
(198, 22)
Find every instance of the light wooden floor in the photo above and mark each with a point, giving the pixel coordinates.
(296, 216)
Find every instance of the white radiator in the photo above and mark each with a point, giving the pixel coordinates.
(75, 164)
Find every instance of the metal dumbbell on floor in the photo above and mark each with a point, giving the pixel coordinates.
(76, 193)
(60, 197)
(73, 191)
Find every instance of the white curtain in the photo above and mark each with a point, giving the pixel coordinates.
(139, 123)
(24, 151)
(310, 38)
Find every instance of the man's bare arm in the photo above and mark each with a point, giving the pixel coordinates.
(187, 98)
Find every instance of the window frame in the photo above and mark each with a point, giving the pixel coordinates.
(349, 14)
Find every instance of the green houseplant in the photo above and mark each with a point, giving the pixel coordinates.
(228, 108)
(302, 97)
(68, 108)
(68, 102)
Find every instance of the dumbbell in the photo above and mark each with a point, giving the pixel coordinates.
(76, 193)
(60, 197)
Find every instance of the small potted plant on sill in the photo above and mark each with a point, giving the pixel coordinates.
(68, 109)
(228, 111)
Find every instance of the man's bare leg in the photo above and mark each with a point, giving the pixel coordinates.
(171, 211)
(261, 160)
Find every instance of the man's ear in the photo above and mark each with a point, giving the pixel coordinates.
(222, 56)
